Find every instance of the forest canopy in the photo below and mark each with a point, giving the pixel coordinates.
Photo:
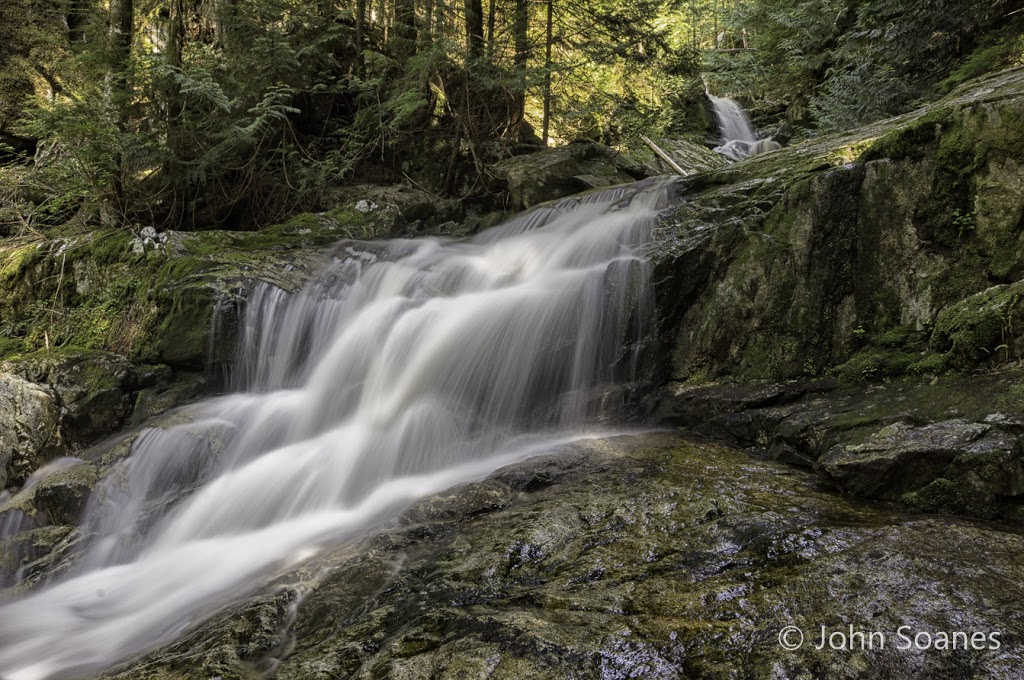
(202, 113)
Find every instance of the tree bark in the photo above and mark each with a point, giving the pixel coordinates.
(119, 38)
(360, 32)
(475, 27)
(547, 71)
(490, 29)
(175, 33)
(382, 17)
(426, 33)
(521, 34)
(223, 14)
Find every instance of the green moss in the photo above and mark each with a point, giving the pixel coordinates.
(951, 497)
(1000, 51)
(183, 334)
(106, 247)
(979, 329)
(117, 319)
(874, 364)
(934, 363)
(11, 346)
(913, 141)
(900, 336)
(14, 261)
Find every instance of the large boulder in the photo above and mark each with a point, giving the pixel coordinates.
(941, 444)
(56, 403)
(953, 466)
(30, 431)
(550, 174)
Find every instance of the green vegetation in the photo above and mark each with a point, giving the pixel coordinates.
(835, 64)
(240, 114)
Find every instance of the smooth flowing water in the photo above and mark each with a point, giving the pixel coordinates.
(403, 368)
(738, 138)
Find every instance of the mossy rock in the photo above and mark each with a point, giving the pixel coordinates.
(686, 560)
(987, 328)
(771, 265)
(546, 175)
(30, 428)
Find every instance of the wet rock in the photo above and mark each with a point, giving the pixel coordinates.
(31, 555)
(91, 388)
(901, 458)
(791, 264)
(37, 535)
(647, 556)
(54, 403)
(61, 497)
(693, 404)
(555, 173)
(689, 156)
(30, 430)
(166, 395)
(942, 445)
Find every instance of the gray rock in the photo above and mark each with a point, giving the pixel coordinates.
(644, 556)
(900, 457)
(29, 428)
(550, 174)
(942, 445)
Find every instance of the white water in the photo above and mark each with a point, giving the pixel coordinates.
(738, 138)
(404, 368)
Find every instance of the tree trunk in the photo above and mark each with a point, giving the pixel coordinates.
(223, 14)
(490, 29)
(360, 32)
(175, 33)
(382, 18)
(172, 115)
(439, 19)
(521, 31)
(122, 16)
(475, 27)
(547, 72)
(426, 33)
(118, 96)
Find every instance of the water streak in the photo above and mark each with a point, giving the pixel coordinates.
(405, 367)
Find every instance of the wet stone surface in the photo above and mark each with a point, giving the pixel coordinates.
(640, 556)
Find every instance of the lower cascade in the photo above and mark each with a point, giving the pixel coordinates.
(403, 368)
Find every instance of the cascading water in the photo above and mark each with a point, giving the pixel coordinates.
(404, 368)
(738, 138)
(733, 123)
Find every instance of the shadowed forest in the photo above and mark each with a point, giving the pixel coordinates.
(237, 113)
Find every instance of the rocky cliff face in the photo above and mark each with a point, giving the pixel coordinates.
(886, 257)
(896, 248)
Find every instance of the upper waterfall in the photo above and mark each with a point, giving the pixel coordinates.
(733, 122)
(403, 368)
(737, 135)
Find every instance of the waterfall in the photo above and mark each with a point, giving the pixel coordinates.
(403, 368)
(738, 138)
(733, 123)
